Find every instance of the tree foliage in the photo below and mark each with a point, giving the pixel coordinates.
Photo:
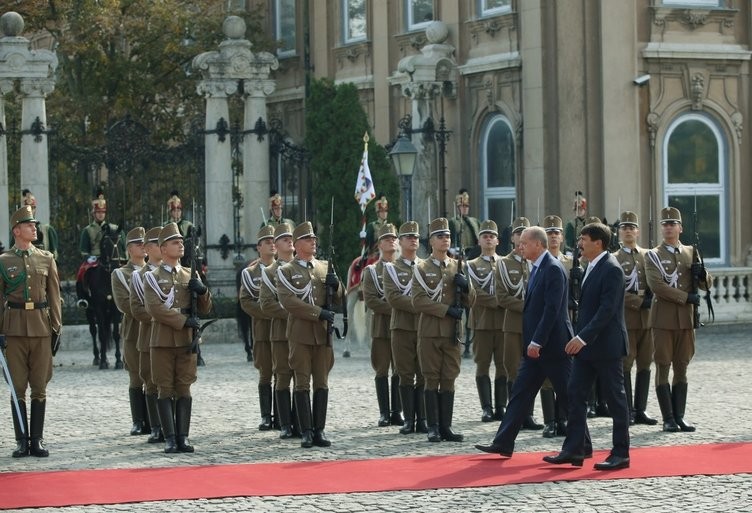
(335, 124)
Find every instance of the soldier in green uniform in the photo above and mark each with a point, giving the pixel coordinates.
(175, 209)
(91, 235)
(46, 235)
(167, 296)
(403, 328)
(372, 229)
(637, 301)
(275, 212)
(671, 270)
(121, 282)
(280, 348)
(439, 350)
(301, 286)
(30, 319)
(142, 317)
(463, 228)
(250, 289)
(574, 226)
(372, 285)
(511, 281)
(487, 322)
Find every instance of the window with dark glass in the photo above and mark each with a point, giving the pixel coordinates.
(354, 20)
(285, 26)
(493, 7)
(418, 13)
(498, 170)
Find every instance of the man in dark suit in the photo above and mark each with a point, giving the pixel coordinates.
(599, 349)
(545, 330)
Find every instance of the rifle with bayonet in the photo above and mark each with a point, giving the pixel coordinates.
(576, 272)
(461, 285)
(647, 300)
(332, 284)
(196, 287)
(699, 275)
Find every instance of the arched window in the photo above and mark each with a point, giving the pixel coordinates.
(498, 167)
(694, 180)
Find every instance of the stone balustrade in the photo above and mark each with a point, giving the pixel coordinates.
(731, 295)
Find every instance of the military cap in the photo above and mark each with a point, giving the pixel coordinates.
(553, 224)
(275, 200)
(409, 228)
(135, 235)
(152, 234)
(28, 198)
(593, 220)
(22, 215)
(174, 202)
(628, 218)
(462, 199)
(266, 232)
(520, 224)
(282, 230)
(387, 230)
(439, 226)
(99, 204)
(382, 205)
(169, 232)
(303, 231)
(488, 226)
(670, 215)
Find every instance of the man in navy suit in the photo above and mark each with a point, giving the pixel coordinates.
(545, 330)
(599, 348)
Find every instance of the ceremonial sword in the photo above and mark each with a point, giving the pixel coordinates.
(9, 381)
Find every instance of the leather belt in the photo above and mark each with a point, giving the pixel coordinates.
(186, 311)
(28, 305)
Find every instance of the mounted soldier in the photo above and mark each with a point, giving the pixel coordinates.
(276, 204)
(91, 235)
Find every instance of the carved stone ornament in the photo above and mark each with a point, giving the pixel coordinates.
(737, 119)
(653, 120)
(697, 90)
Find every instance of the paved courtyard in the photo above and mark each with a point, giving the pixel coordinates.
(88, 421)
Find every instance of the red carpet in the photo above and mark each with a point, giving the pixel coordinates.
(81, 487)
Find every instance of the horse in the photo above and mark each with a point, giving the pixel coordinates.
(359, 317)
(94, 290)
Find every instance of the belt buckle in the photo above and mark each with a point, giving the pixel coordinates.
(29, 305)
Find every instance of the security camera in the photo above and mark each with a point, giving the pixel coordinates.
(641, 80)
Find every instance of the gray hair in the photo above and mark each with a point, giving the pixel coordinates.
(537, 233)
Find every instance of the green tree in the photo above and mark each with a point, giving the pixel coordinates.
(335, 124)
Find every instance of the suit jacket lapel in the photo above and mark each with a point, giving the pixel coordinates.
(538, 274)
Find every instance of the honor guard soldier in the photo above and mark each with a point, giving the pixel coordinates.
(555, 235)
(487, 322)
(637, 301)
(46, 234)
(121, 283)
(301, 286)
(372, 229)
(572, 231)
(280, 348)
(510, 294)
(91, 235)
(250, 289)
(175, 209)
(672, 272)
(143, 318)
(275, 212)
(436, 281)
(30, 321)
(404, 329)
(372, 286)
(463, 228)
(167, 296)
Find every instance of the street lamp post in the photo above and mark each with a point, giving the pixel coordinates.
(403, 156)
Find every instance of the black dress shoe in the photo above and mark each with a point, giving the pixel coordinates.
(494, 449)
(531, 424)
(670, 426)
(612, 463)
(549, 431)
(641, 417)
(564, 457)
(687, 428)
(487, 416)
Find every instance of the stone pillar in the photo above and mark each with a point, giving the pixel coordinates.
(218, 179)
(426, 193)
(255, 185)
(34, 152)
(5, 87)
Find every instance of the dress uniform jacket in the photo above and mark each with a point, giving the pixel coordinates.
(486, 313)
(91, 237)
(372, 285)
(270, 305)
(397, 291)
(168, 301)
(302, 293)
(250, 291)
(121, 284)
(633, 264)
(669, 277)
(138, 309)
(29, 278)
(511, 277)
(433, 292)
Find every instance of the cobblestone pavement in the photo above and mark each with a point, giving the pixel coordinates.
(88, 420)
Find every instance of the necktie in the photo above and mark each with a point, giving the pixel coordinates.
(532, 277)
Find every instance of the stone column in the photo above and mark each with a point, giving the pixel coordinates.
(34, 152)
(5, 87)
(426, 193)
(218, 179)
